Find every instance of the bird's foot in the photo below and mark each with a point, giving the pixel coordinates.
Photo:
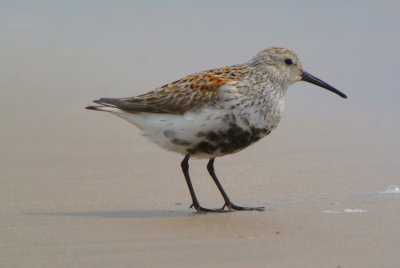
(201, 209)
(228, 207)
(232, 207)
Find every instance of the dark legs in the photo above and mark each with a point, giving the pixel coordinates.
(228, 203)
(196, 205)
(210, 167)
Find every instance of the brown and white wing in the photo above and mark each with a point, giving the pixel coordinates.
(187, 94)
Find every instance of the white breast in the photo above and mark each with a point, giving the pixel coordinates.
(176, 132)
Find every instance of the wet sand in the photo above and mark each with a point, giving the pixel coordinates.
(84, 189)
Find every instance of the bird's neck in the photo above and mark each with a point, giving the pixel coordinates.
(267, 98)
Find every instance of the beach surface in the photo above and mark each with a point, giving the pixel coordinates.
(80, 188)
(84, 189)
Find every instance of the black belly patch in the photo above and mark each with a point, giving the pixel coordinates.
(227, 141)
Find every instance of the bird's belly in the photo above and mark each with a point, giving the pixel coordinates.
(225, 141)
(200, 136)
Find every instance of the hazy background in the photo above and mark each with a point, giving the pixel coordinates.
(80, 188)
(56, 56)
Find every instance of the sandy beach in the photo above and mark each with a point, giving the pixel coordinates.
(79, 195)
(85, 189)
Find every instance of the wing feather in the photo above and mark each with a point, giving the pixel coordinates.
(187, 94)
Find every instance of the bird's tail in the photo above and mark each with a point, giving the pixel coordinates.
(106, 105)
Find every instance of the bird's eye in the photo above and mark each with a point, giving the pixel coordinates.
(288, 61)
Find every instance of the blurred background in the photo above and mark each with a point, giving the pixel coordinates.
(83, 188)
(57, 56)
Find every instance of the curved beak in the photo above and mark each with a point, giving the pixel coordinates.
(316, 81)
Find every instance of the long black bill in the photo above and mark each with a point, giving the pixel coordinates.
(313, 80)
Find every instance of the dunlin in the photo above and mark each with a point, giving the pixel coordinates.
(215, 112)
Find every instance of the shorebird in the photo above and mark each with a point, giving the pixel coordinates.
(215, 112)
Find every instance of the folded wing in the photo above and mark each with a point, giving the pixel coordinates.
(187, 94)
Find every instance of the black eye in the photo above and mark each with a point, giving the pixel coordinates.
(288, 61)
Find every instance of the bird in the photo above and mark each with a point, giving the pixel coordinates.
(215, 112)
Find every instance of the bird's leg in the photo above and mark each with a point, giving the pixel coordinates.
(228, 203)
(195, 204)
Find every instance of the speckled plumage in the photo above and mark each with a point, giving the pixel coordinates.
(215, 112)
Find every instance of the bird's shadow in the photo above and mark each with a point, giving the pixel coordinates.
(119, 214)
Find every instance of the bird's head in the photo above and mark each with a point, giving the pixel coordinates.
(283, 66)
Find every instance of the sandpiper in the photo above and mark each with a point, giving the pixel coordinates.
(215, 112)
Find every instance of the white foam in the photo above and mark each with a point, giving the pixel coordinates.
(392, 189)
(347, 210)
